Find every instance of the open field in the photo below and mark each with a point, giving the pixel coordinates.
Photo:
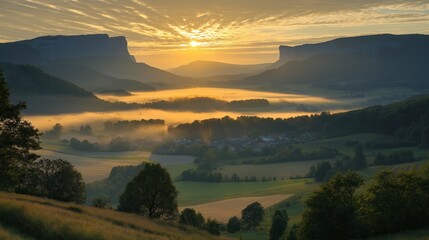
(278, 170)
(97, 165)
(39, 218)
(224, 209)
(194, 193)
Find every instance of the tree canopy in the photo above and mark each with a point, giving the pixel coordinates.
(150, 193)
(252, 215)
(18, 138)
(331, 211)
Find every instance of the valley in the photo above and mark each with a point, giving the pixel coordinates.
(326, 122)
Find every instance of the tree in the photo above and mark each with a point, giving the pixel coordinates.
(252, 215)
(56, 179)
(233, 225)
(359, 160)
(331, 211)
(55, 132)
(101, 202)
(150, 193)
(279, 225)
(213, 227)
(424, 142)
(190, 217)
(395, 202)
(17, 139)
(293, 233)
(321, 172)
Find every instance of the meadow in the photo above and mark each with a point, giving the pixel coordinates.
(194, 193)
(24, 217)
(233, 207)
(279, 170)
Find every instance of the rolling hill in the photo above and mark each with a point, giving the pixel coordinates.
(26, 217)
(94, 81)
(44, 93)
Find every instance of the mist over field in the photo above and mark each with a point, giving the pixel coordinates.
(217, 120)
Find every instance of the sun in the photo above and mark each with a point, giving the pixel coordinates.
(194, 44)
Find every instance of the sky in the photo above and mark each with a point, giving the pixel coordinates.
(169, 33)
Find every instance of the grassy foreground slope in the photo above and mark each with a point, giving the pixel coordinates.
(26, 217)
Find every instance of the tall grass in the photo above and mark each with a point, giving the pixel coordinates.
(46, 219)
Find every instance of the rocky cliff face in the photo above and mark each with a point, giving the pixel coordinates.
(82, 46)
(372, 44)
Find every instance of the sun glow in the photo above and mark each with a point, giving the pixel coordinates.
(194, 44)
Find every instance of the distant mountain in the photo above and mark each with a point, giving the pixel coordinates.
(94, 81)
(107, 55)
(350, 64)
(341, 46)
(204, 69)
(44, 93)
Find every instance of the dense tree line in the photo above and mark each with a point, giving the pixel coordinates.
(291, 154)
(207, 176)
(405, 120)
(131, 125)
(206, 104)
(117, 144)
(396, 157)
(394, 201)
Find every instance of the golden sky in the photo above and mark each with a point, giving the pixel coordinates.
(169, 33)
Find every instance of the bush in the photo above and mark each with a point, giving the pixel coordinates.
(233, 225)
(213, 227)
(190, 217)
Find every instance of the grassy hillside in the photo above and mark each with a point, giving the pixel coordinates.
(25, 217)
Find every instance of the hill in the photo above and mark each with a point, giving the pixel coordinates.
(107, 55)
(26, 217)
(350, 64)
(405, 120)
(44, 93)
(204, 69)
(94, 81)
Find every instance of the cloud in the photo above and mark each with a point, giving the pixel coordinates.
(165, 25)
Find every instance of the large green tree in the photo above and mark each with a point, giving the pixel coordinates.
(150, 193)
(279, 225)
(396, 201)
(56, 179)
(18, 138)
(359, 159)
(331, 212)
(252, 215)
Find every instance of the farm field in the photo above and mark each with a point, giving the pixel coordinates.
(224, 209)
(194, 193)
(97, 165)
(279, 170)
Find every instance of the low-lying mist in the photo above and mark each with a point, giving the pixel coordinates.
(226, 94)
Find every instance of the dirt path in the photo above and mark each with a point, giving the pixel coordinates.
(224, 209)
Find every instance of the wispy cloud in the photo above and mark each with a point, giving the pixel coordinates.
(155, 27)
